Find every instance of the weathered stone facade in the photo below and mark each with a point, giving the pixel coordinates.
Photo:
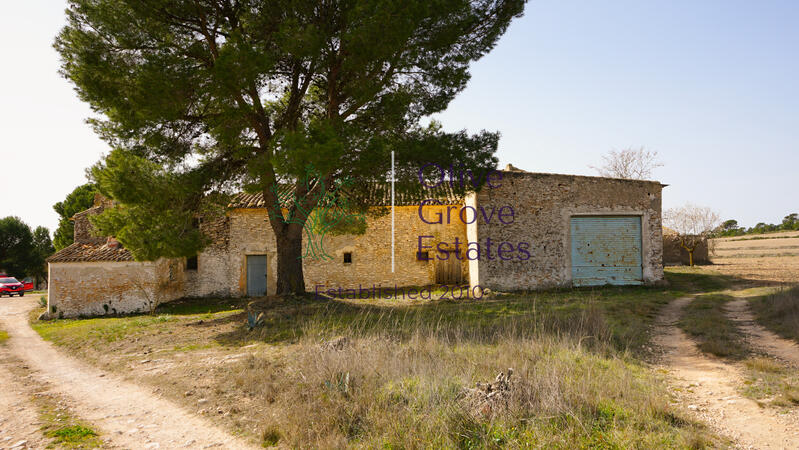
(512, 235)
(96, 276)
(543, 205)
(224, 271)
(112, 287)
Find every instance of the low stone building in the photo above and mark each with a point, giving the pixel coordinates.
(674, 254)
(97, 276)
(522, 231)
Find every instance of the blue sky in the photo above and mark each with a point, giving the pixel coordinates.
(710, 85)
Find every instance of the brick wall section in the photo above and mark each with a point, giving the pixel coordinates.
(543, 206)
(84, 231)
(212, 275)
(105, 287)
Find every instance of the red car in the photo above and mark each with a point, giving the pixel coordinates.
(10, 286)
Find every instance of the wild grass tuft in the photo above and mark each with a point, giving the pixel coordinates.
(705, 321)
(771, 383)
(779, 312)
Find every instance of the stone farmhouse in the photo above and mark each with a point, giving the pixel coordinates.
(524, 231)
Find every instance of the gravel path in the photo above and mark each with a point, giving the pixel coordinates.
(127, 415)
(19, 420)
(708, 388)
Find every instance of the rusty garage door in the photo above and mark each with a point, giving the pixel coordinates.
(606, 250)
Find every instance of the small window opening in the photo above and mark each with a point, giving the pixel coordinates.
(348, 258)
(191, 263)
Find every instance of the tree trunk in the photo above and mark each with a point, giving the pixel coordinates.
(690, 258)
(290, 278)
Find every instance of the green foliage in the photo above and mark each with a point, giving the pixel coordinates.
(731, 228)
(16, 247)
(80, 199)
(250, 94)
(42, 248)
(167, 217)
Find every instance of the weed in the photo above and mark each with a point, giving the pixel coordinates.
(64, 430)
(3, 336)
(704, 320)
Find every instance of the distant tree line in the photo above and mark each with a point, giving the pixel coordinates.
(23, 251)
(731, 227)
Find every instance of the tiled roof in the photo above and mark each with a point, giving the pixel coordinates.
(375, 194)
(84, 252)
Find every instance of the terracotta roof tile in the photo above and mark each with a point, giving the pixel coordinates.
(85, 252)
(376, 194)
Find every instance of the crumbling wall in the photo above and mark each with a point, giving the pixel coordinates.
(112, 287)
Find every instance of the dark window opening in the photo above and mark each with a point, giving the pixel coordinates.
(191, 263)
(423, 256)
(348, 258)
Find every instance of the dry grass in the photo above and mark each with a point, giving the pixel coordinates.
(771, 258)
(705, 321)
(771, 383)
(391, 391)
(779, 312)
(335, 374)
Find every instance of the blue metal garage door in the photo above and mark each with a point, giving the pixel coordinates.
(606, 250)
(256, 275)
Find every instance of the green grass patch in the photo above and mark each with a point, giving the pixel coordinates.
(62, 428)
(697, 279)
(3, 336)
(779, 312)
(771, 383)
(705, 321)
(104, 330)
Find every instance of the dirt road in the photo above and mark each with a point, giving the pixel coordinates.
(759, 337)
(127, 415)
(708, 387)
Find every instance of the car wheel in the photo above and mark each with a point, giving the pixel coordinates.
(21, 294)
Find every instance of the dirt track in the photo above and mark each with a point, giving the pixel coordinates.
(759, 337)
(126, 415)
(708, 387)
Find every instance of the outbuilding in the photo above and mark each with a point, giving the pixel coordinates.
(524, 231)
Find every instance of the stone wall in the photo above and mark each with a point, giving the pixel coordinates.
(543, 205)
(224, 271)
(212, 277)
(674, 254)
(108, 287)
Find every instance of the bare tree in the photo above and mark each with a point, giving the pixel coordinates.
(630, 164)
(693, 225)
